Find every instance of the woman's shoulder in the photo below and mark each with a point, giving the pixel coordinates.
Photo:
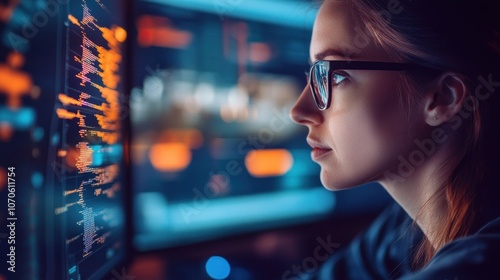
(476, 256)
(384, 251)
(380, 252)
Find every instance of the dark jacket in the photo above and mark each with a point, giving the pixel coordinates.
(384, 251)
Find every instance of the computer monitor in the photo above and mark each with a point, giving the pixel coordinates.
(63, 133)
(214, 152)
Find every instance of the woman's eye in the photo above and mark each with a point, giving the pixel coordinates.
(338, 78)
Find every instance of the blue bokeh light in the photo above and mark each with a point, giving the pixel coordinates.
(37, 134)
(218, 267)
(37, 180)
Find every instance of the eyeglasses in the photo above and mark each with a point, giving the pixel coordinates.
(319, 77)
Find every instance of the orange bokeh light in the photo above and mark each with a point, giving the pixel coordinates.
(3, 178)
(14, 83)
(191, 137)
(15, 60)
(71, 158)
(267, 163)
(6, 12)
(120, 34)
(156, 31)
(62, 153)
(6, 132)
(170, 157)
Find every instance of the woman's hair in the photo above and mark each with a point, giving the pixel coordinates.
(462, 37)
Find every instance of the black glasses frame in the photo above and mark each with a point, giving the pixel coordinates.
(334, 65)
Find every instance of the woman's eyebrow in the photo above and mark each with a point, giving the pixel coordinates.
(330, 52)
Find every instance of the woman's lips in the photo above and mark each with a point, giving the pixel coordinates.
(318, 150)
(318, 153)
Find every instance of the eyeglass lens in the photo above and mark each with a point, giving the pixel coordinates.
(319, 83)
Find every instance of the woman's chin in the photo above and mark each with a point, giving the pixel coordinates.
(334, 183)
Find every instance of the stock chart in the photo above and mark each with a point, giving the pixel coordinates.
(61, 126)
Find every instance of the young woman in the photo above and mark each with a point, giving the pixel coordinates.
(407, 93)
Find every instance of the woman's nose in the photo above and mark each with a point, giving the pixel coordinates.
(305, 111)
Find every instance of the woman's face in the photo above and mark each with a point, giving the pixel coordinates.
(360, 136)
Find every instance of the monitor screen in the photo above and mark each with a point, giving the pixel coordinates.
(63, 136)
(214, 152)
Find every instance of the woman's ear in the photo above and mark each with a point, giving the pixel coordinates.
(445, 98)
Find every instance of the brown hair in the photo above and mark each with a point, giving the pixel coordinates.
(461, 37)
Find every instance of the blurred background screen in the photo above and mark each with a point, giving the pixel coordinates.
(214, 150)
(62, 134)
